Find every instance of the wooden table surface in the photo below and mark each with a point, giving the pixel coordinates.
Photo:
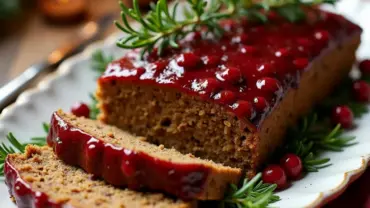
(31, 39)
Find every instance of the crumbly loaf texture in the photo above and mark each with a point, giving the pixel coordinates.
(219, 176)
(206, 129)
(72, 187)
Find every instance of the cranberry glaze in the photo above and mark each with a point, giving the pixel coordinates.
(22, 192)
(248, 70)
(124, 167)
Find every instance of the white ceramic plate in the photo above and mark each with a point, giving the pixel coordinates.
(75, 80)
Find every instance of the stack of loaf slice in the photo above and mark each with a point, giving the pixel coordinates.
(39, 179)
(119, 158)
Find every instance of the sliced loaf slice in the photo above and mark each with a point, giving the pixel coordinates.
(38, 179)
(125, 160)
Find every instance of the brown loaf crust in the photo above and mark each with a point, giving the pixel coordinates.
(150, 166)
(206, 129)
(48, 182)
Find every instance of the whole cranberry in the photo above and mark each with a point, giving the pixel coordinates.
(207, 86)
(81, 109)
(265, 69)
(248, 49)
(243, 108)
(361, 91)
(260, 104)
(225, 97)
(268, 85)
(342, 115)
(241, 38)
(188, 60)
(292, 164)
(230, 74)
(282, 52)
(322, 36)
(365, 67)
(274, 174)
(300, 63)
(211, 60)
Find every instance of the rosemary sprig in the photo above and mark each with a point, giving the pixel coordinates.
(251, 194)
(94, 110)
(343, 95)
(311, 137)
(99, 62)
(161, 28)
(16, 146)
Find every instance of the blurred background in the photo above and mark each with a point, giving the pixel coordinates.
(30, 29)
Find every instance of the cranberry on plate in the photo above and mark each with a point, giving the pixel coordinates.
(361, 91)
(365, 67)
(292, 164)
(81, 109)
(342, 115)
(274, 174)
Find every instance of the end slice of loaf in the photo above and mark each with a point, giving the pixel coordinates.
(38, 178)
(125, 160)
(195, 109)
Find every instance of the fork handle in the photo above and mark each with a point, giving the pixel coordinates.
(10, 91)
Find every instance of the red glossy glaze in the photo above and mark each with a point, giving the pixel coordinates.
(81, 110)
(274, 174)
(249, 60)
(124, 167)
(342, 115)
(292, 165)
(361, 91)
(23, 193)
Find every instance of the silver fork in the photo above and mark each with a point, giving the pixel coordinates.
(90, 32)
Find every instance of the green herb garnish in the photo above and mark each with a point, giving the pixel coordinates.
(311, 137)
(161, 28)
(16, 146)
(343, 95)
(99, 62)
(251, 194)
(94, 110)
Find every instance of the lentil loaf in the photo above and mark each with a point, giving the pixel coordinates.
(230, 100)
(124, 160)
(37, 178)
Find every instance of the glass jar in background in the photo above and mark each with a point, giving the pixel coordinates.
(63, 10)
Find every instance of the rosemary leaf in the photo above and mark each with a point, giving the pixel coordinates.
(160, 28)
(251, 194)
(15, 146)
(99, 62)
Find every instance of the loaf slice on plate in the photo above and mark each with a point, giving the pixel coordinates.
(124, 160)
(39, 179)
(230, 100)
